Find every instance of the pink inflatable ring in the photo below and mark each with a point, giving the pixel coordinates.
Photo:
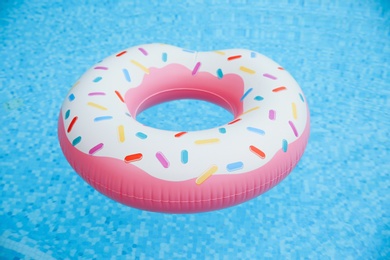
(183, 172)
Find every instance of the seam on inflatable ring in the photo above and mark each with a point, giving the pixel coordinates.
(186, 201)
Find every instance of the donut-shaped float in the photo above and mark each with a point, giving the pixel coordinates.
(184, 172)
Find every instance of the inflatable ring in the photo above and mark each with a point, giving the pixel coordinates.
(183, 172)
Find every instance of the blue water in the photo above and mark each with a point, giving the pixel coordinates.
(334, 205)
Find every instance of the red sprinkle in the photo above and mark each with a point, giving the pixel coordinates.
(234, 57)
(234, 121)
(121, 53)
(257, 151)
(180, 134)
(72, 123)
(119, 96)
(133, 157)
(279, 89)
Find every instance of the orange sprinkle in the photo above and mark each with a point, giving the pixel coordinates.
(119, 96)
(280, 68)
(257, 151)
(234, 57)
(234, 121)
(279, 89)
(180, 134)
(133, 157)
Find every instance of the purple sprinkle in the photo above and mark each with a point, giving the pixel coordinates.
(96, 148)
(272, 114)
(293, 128)
(164, 162)
(96, 94)
(269, 76)
(144, 52)
(196, 68)
(101, 68)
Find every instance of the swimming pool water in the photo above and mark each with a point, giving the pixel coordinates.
(334, 205)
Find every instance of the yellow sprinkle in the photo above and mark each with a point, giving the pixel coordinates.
(121, 133)
(96, 105)
(207, 174)
(294, 110)
(207, 141)
(247, 70)
(142, 67)
(250, 110)
(220, 52)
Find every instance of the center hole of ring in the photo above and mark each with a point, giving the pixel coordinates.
(185, 115)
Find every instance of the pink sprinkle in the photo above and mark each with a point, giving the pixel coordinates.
(163, 160)
(144, 52)
(101, 68)
(293, 128)
(96, 94)
(269, 76)
(196, 68)
(96, 148)
(272, 114)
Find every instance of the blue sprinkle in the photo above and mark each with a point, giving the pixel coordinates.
(191, 51)
(71, 97)
(141, 135)
(184, 156)
(256, 130)
(284, 145)
(97, 79)
(300, 95)
(259, 98)
(253, 54)
(234, 166)
(164, 56)
(246, 94)
(127, 75)
(76, 140)
(219, 73)
(222, 130)
(100, 118)
(67, 114)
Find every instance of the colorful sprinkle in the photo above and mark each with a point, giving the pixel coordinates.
(272, 114)
(257, 151)
(284, 145)
(180, 134)
(279, 89)
(96, 148)
(247, 70)
(234, 57)
(207, 141)
(67, 114)
(234, 166)
(269, 76)
(126, 74)
(250, 110)
(300, 95)
(256, 130)
(219, 73)
(133, 157)
(293, 128)
(96, 94)
(220, 52)
(234, 121)
(246, 94)
(96, 106)
(196, 68)
(97, 79)
(164, 57)
(280, 68)
(206, 174)
(102, 118)
(101, 68)
(258, 98)
(222, 130)
(253, 54)
(190, 51)
(162, 159)
(139, 65)
(76, 140)
(294, 110)
(121, 53)
(121, 133)
(141, 135)
(184, 156)
(72, 124)
(119, 96)
(71, 97)
(144, 52)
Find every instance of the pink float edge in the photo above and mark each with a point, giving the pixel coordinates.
(131, 186)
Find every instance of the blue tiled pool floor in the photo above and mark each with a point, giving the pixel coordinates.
(334, 205)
